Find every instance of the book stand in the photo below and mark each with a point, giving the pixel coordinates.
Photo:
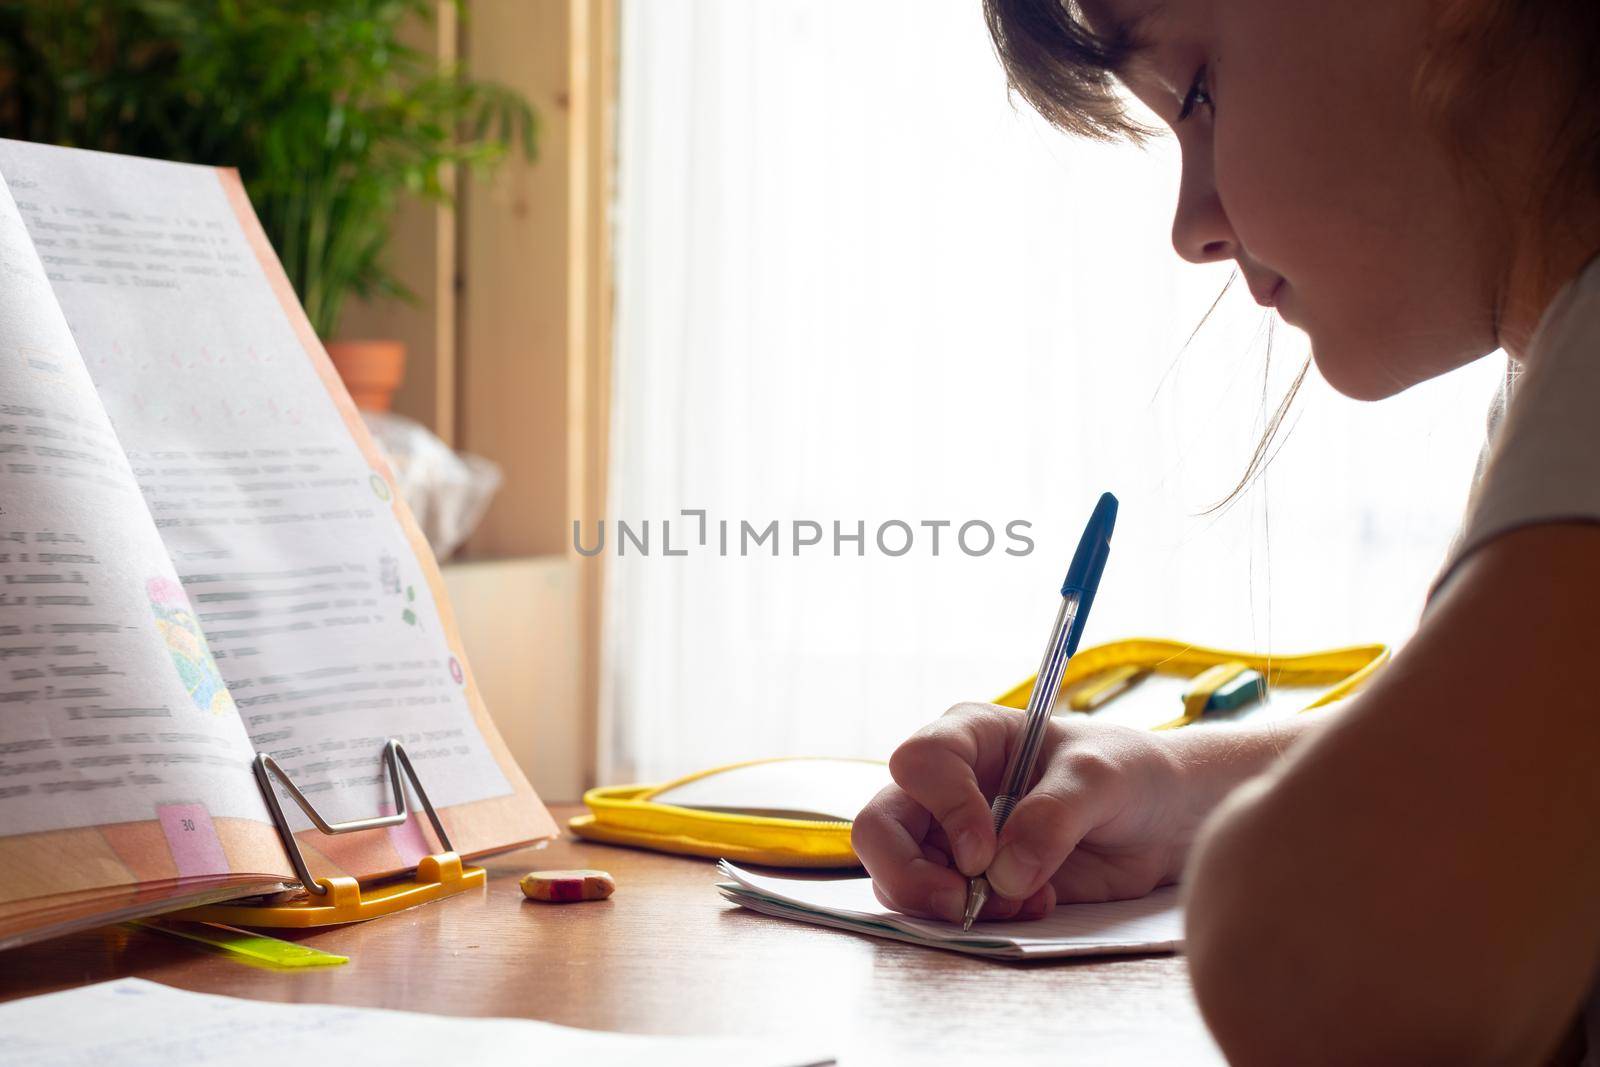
(342, 899)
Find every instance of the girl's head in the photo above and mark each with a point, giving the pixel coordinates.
(1407, 181)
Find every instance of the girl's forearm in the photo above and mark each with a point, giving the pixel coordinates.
(1214, 760)
(1218, 758)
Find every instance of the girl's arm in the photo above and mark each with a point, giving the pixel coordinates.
(1421, 882)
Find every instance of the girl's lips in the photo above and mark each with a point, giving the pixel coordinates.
(1267, 296)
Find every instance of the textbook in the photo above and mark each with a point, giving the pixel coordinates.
(202, 556)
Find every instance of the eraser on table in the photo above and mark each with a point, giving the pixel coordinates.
(561, 887)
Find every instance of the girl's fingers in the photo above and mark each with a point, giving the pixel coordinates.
(1047, 825)
(1000, 909)
(939, 769)
(1040, 904)
(936, 815)
(887, 838)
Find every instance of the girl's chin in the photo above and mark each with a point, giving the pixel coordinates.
(1352, 370)
(1363, 365)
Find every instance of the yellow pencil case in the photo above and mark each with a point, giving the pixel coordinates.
(796, 812)
(792, 812)
(1325, 677)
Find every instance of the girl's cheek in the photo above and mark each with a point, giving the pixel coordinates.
(1269, 182)
(1246, 186)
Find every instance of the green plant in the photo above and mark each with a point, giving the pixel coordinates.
(328, 114)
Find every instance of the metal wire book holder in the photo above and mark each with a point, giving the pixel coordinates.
(329, 901)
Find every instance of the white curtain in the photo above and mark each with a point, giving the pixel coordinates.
(856, 284)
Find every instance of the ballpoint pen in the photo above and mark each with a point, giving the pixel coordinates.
(1077, 596)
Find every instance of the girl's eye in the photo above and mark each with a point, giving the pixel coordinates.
(1198, 94)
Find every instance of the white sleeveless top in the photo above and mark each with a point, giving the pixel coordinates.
(1542, 461)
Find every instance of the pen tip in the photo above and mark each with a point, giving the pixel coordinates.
(977, 893)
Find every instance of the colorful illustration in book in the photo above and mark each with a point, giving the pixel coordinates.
(181, 632)
(390, 583)
(389, 574)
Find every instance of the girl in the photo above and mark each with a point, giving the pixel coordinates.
(1414, 876)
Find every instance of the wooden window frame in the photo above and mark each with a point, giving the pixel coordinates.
(510, 359)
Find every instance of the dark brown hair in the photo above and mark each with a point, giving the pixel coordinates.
(1474, 73)
(1062, 68)
(1066, 71)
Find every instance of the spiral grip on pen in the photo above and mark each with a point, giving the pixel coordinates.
(1002, 810)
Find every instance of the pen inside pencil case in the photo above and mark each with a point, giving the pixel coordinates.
(1158, 698)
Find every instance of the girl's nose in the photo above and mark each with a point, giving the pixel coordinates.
(1201, 232)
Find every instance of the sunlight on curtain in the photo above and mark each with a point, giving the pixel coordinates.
(855, 284)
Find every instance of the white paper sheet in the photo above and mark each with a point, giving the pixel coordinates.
(135, 1023)
(1149, 924)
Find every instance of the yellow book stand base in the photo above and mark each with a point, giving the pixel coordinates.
(331, 901)
(344, 900)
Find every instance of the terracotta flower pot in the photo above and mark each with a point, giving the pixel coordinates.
(372, 370)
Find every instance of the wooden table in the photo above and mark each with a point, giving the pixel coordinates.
(667, 955)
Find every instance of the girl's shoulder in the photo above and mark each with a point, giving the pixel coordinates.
(1543, 463)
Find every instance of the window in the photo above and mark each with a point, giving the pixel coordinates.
(855, 283)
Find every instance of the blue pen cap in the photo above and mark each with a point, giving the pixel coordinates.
(1089, 562)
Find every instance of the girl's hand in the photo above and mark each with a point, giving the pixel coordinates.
(1111, 816)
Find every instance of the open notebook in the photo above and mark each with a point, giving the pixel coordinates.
(1149, 924)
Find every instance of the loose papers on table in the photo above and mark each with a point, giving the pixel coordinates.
(135, 1023)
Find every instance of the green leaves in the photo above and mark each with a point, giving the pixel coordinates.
(328, 114)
